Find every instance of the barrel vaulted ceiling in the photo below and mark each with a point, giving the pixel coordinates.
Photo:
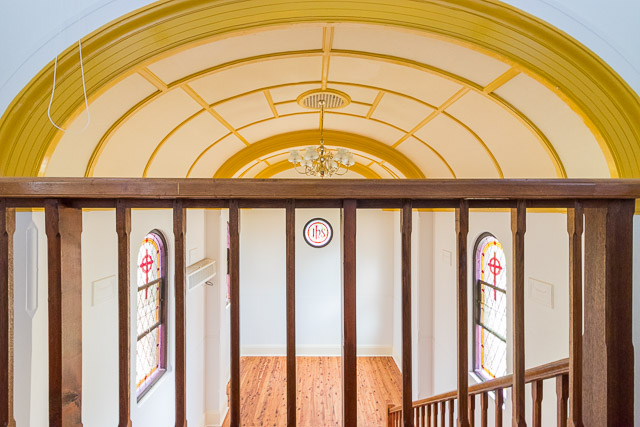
(421, 106)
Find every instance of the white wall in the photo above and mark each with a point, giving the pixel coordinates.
(100, 358)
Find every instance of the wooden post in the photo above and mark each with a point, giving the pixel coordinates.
(498, 409)
(462, 230)
(435, 415)
(536, 397)
(607, 374)
(472, 410)
(575, 228)
(407, 397)
(349, 360)
(390, 422)
(451, 410)
(443, 413)
(64, 229)
(484, 408)
(180, 234)
(234, 293)
(562, 392)
(7, 228)
(123, 228)
(518, 228)
(291, 312)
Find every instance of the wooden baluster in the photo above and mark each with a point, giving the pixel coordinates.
(472, 410)
(428, 414)
(484, 407)
(435, 415)
(451, 411)
(462, 230)
(180, 234)
(608, 372)
(349, 360)
(407, 398)
(123, 229)
(291, 312)
(536, 395)
(562, 391)
(575, 228)
(64, 229)
(416, 415)
(390, 422)
(422, 415)
(518, 228)
(443, 413)
(234, 294)
(7, 229)
(498, 409)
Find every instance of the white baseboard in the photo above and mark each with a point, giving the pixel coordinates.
(302, 350)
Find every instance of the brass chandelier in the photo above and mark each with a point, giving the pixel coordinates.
(320, 161)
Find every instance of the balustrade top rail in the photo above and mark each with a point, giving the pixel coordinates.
(281, 189)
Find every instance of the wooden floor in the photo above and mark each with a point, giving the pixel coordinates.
(263, 391)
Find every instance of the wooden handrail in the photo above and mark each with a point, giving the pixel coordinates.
(542, 372)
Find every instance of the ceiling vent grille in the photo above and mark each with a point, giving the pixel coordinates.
(332, 99)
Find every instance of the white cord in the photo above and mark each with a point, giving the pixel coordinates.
(84, 89)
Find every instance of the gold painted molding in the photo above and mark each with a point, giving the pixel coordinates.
(589, 85)
(303, 138)
(284, 165)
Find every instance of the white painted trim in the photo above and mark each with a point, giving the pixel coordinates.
(363, 350)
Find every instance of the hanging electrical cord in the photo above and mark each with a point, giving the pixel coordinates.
(84, 89)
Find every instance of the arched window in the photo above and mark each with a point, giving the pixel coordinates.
(490, 308)
(151, 349)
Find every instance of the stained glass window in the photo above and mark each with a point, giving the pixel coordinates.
(490, 308)
(151, 313)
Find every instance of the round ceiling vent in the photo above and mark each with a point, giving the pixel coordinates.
(332, 99)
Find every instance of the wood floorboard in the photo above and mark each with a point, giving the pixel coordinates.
(263, 399)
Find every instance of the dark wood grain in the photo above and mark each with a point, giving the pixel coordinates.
(435, 415)
(575, 221)
(450, 404)
(234, 293)
(123, 229)
(536, 398)
(290, 234)
(192, 188)
(472, 410)
(462, 230)
(407, 369)
(7, 229)
(64, 228)
(180, 235)
(608, 372)
(562, 394)
(518, 228)
(484, 408)
(349, 350)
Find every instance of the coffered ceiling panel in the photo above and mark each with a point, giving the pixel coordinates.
(193, 60)
(245, 110)
(425, 158)
(127, 151)
(291, 92)
(281, 125)
(403, 112)
(356, 92)
(104, 111)
(463, 61)
(572, 139)
(362, 126)
(205, 166)
(176, 151)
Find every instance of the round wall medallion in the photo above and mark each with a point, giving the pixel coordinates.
(318, 233)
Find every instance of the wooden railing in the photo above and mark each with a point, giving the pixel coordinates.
(439, 410)
(603, 383)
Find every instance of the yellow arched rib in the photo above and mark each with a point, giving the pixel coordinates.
(284, 165)
(302, 138)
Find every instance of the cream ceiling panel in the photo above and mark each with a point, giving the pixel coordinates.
(357, 109)
(420, 84)
(307, 37)
(463, 61)
(402, 112)
(241, 79)
(253, 169)
(383, 172)
(175, 156)
(572, 139)
(428, 162)
(260, 131)
(360, 94)
(462, 151)
(362, 126)
(518, 150)
(247, 109)
(74, 149)
(216, 156)
(247, 168)
(394, 172)
(128, 150)
(291, 93)
(291, 108)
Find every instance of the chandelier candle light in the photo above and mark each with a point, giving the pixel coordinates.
(320, 161)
